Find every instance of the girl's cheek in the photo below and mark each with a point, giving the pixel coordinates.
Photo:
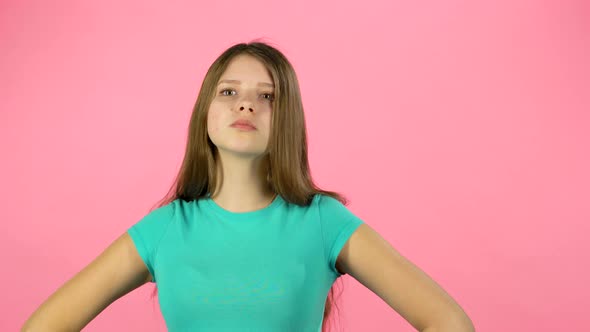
(213, 121)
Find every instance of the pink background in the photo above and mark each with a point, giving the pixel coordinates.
(458, 130)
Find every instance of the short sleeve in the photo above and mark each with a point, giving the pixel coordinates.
(148, 231)
(338, 224)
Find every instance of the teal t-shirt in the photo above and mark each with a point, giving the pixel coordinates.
(264, 270)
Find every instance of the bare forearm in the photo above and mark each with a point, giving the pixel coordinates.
(461, 324)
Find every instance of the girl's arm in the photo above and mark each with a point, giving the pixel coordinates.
(372, 261)
(115, 272)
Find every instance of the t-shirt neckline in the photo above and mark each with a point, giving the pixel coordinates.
(249, 215)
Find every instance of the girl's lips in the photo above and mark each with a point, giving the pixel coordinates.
(243, 126)
(243, 122)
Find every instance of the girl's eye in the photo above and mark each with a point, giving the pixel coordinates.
(223, 92)
(268, 96)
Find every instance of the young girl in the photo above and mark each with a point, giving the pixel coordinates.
(244, 240)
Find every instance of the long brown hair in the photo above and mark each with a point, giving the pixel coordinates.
(286, 153)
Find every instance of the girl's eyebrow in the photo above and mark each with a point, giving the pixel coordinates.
(238, 82)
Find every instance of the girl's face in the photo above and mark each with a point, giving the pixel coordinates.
(244, 92)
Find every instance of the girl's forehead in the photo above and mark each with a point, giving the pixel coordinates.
(245, 66)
